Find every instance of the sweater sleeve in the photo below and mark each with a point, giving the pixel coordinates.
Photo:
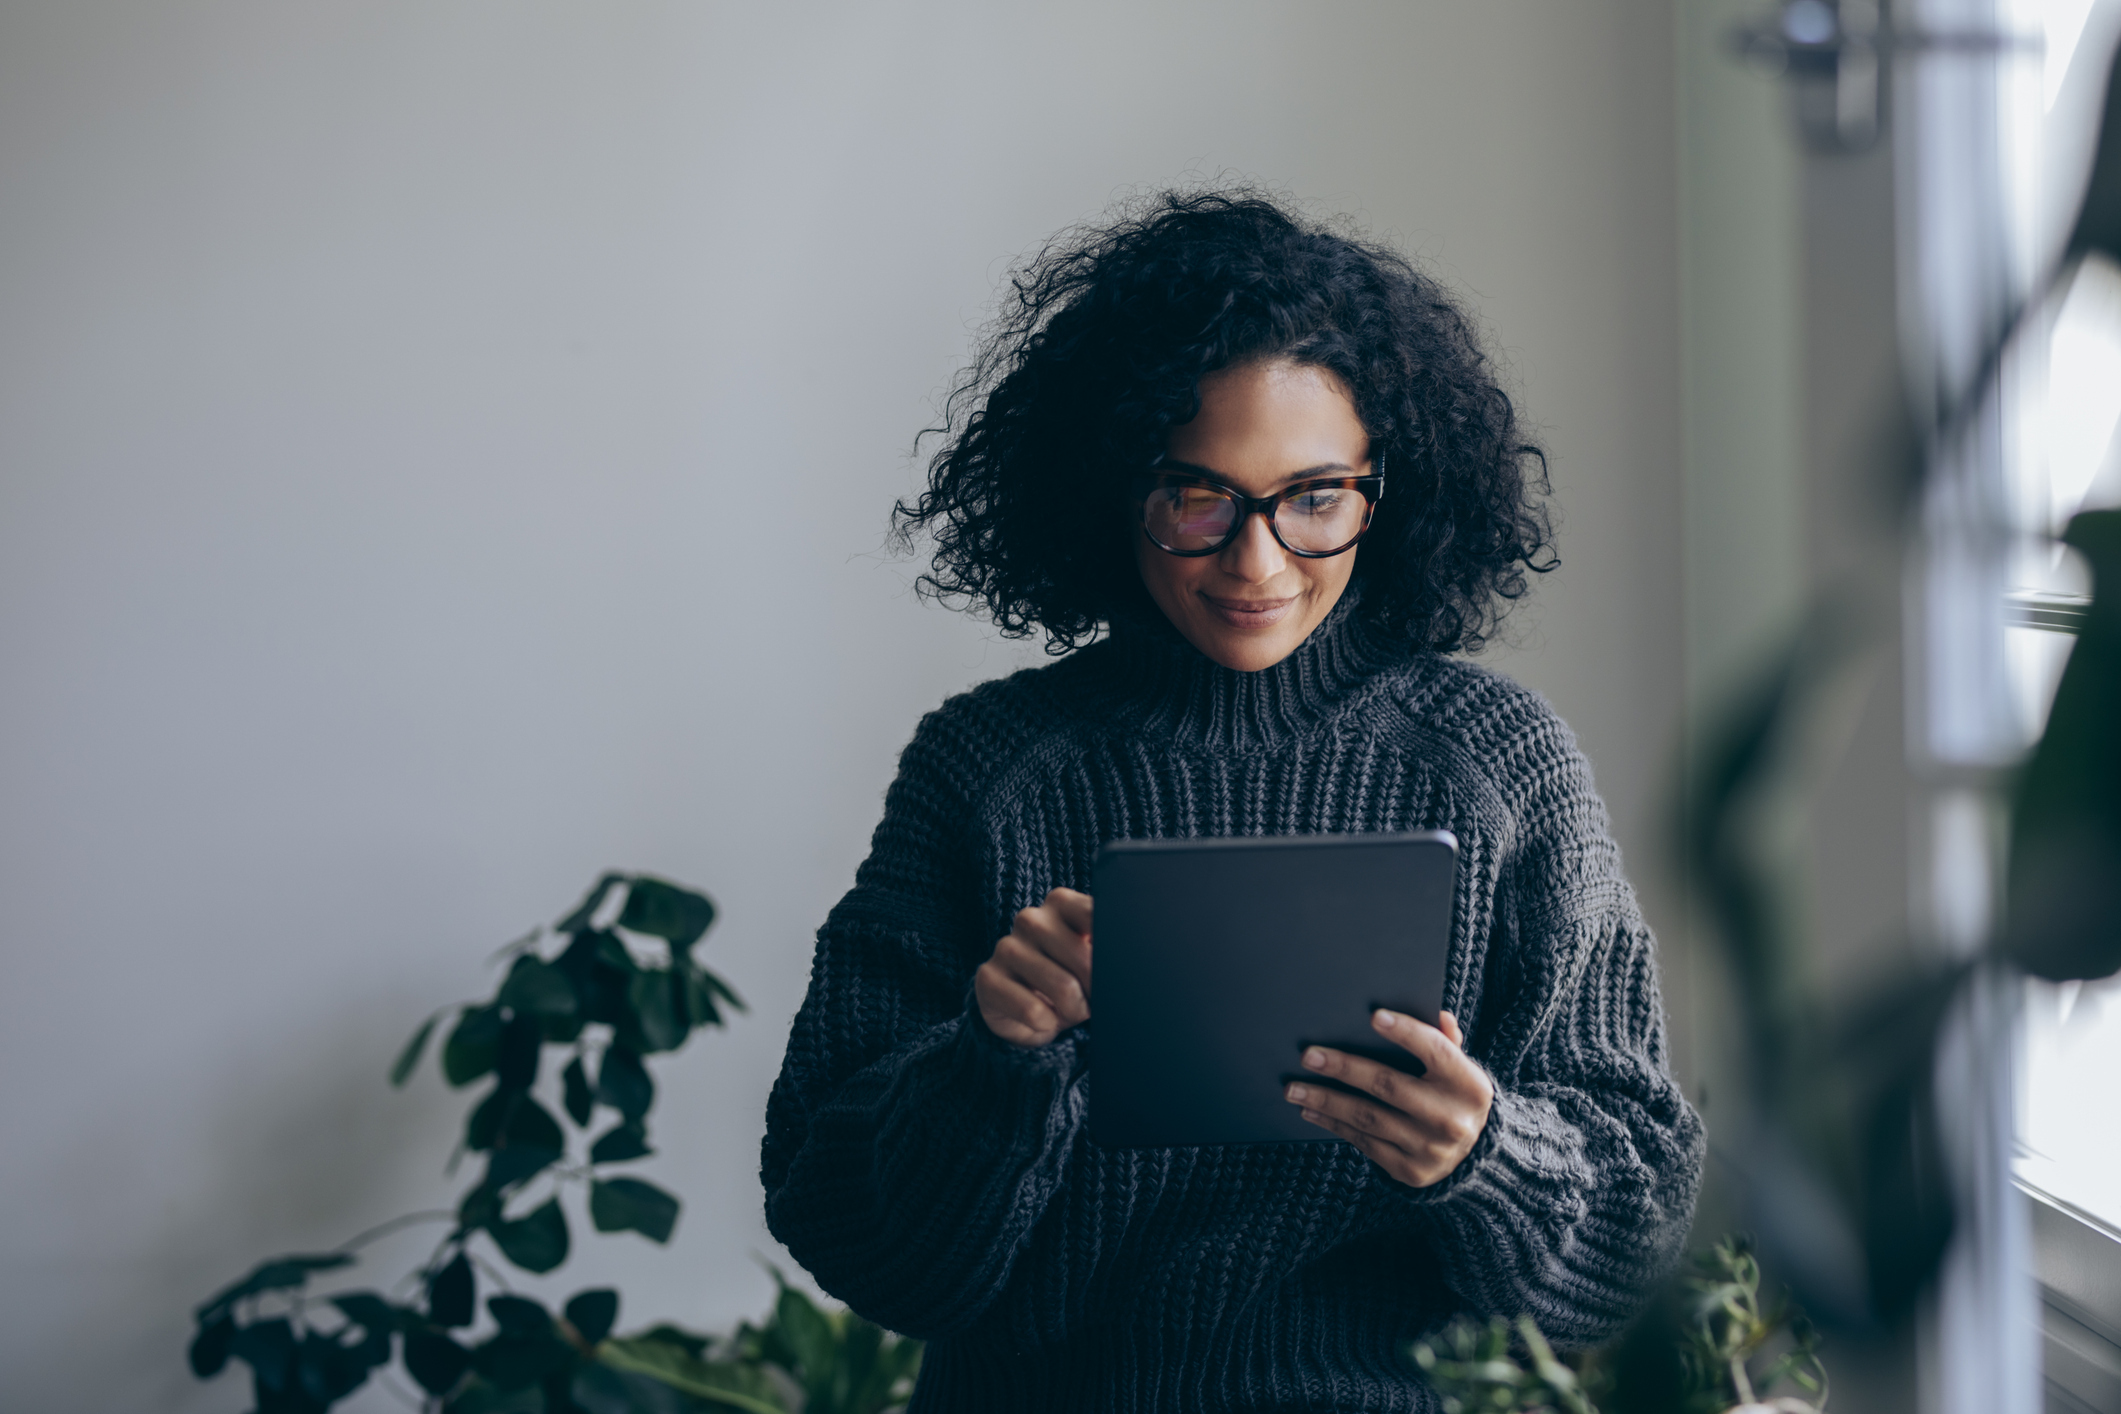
(909, 1151)
(1580, 1191)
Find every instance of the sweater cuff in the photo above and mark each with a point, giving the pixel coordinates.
(1526, 1171)
(1005, 1063)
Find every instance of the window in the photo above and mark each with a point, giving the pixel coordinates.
(2061, 405)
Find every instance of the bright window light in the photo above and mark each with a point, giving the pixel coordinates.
(2066, 405)
(2083, 387)
(2063, 27)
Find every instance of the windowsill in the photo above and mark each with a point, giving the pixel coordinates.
(2037, 608)
(2077, 1259)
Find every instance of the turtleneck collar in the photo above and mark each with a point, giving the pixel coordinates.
(1170, 688)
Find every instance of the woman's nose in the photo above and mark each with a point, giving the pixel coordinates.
(1255, 556)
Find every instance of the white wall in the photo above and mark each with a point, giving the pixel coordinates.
(400, 406)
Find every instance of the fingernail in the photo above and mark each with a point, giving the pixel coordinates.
(1312, 1116)
(1387, 1019)
(1298, 1094)
(1315, 1058)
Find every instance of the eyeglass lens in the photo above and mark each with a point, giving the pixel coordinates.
(1316, 520)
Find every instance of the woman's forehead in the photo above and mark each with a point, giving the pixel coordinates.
(1266, 423)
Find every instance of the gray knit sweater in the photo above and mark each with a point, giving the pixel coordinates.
(944, 1183)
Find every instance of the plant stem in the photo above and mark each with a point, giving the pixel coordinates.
(518, 945)
(1739, 1380)
(385, 1229)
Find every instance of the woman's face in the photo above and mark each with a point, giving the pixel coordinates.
(1262, 426)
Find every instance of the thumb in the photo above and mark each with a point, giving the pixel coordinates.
(1448, 1024)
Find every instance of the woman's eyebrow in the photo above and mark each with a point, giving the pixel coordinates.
(1323, 469)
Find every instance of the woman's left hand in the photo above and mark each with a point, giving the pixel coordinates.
(1416, 1128)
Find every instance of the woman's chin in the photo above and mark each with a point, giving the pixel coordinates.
(1248, 650)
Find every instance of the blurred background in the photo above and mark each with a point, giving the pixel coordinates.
(393, 396)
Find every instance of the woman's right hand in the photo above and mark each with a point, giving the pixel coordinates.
(1037, 984)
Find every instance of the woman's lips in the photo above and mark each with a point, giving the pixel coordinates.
(1249, 613)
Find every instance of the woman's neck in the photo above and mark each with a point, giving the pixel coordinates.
(1168, 687)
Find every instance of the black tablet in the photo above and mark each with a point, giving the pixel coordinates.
(1217, 961)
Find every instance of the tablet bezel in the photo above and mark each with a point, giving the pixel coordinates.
(1196, 918)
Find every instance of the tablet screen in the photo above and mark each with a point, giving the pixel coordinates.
(1218, 961)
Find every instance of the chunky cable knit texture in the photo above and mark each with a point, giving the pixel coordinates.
(944, 1183)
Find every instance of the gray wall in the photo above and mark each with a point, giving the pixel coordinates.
(397, 407)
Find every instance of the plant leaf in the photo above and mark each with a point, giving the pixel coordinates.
(700, 1008)
(511, 1119)
(599, 967)
(514, 1362)
(593, 1312)
(861, 1342)
(663, 910)
(327, 1371)
(693, 1345)
(268, 1347)
(473, 1047)
(623, 1082)
(480, 1208)
(2065, 861)
(720, 988)
(519, 1316)
(576, 1095)
(435, 1361)
(513, 1163)
(483, 1396)
(536, 988)
(600, 1389)
(620, 1143)
(275, 1275)
(451, 1293)
(401, 1068)
(719, 1382)
(591, 902)
(658, 1023)
(367, 1310)
(536, 1243)
(632, 1204)
(2098, 224)
(522, 1043)
(562, 1030)
(1908, 1212)
(209, 1349)
(809, 1334)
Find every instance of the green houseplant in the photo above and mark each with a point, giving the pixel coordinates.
(1713, 1346)
(606, 1008)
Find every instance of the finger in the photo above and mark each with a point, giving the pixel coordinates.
(1043, 929)
(1388, 1156)
(1448, 1024)
(1358, 1115)
(1073, 906)
(1011, 1010)
(1446, 1064)
(1428, 1103)
(1437, 1119)
(1030, 967)
(1412, 1158)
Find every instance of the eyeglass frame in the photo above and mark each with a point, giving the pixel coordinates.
(1370, 485)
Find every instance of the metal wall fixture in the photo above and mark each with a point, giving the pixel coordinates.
(1836, 56)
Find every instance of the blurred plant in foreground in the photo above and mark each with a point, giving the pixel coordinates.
(1836, 1139)
(1478, 1368)
(1723, 1352)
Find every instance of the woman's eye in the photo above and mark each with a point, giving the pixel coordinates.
(1318, 503)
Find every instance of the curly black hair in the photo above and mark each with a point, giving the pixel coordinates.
(1100, 349)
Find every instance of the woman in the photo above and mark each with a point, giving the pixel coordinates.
(1184, 430)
